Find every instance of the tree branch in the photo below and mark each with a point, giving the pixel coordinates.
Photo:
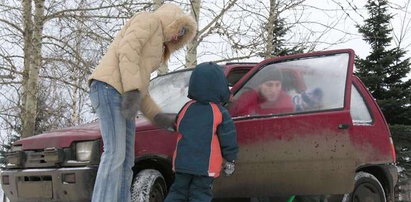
(220, 15)
(65, 82)
(12, 25)
(63, 13)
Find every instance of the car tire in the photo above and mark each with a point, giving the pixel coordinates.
(148, 186)
(367, 188)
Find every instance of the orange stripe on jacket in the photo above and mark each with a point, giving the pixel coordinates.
(216, 159)
(179, 136)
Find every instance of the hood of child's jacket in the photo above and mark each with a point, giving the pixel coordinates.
(173, 19)
(208, 84)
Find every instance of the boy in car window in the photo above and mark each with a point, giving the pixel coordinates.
(265, 96)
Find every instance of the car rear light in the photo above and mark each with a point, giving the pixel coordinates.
(393, 153)
(5, 179)
(69, 178)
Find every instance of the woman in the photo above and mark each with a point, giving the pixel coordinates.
(119, 88)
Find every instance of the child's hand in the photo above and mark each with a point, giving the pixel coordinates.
(229, 168)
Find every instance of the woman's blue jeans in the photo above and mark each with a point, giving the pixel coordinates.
(114, 173)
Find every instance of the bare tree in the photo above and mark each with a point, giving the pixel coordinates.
(272, 17)
(191, 56)
(32, 60)
(272, 24)
(265, 18)
(401, 23)
(163, 69)
(404, 17)
(209, 16)
(63, 41)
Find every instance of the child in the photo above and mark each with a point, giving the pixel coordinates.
(206, 135)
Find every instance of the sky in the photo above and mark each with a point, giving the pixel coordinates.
(342, 15)
(401, 25)
(356, 15)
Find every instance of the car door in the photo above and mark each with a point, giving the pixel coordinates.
(305, 149)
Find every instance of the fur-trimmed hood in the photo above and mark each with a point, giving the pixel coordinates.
(172, 20)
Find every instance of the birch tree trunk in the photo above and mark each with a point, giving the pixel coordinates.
(75, 116)
(31, 89)
(269, 48)
(27, 26)
(191, 56)
(28, 36)
(163, 69)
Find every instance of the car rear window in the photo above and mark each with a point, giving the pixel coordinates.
(359, 111)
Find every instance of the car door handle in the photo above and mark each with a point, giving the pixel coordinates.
(343, 126)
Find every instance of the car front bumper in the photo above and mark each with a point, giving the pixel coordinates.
(49, 184)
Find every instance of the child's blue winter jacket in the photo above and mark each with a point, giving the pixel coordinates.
(206, 131)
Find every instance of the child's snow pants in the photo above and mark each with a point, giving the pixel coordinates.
(190, 188)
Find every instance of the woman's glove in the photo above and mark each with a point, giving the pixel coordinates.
(229, 168)
(130, 104)
(165, 121)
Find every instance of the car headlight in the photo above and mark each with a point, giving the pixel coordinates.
(15, 158)
(84, 150)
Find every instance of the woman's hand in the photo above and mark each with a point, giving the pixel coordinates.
(165, 121)
(130, 104)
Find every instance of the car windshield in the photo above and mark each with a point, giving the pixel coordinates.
(170, 91)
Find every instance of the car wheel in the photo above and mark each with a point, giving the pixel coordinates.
(367, 189)
(148, 186)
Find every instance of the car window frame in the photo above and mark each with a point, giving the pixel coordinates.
(347, 91)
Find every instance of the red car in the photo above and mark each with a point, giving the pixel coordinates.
(333, 141)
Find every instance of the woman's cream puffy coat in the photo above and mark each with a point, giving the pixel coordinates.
(139, 49)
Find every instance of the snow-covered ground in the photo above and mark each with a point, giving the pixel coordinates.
(2, 196)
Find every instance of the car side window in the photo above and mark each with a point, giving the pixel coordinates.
(235, 75)
(296, 86)
(359, 111)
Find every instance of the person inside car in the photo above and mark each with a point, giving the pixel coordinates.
(265, 96)
(308, 100)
